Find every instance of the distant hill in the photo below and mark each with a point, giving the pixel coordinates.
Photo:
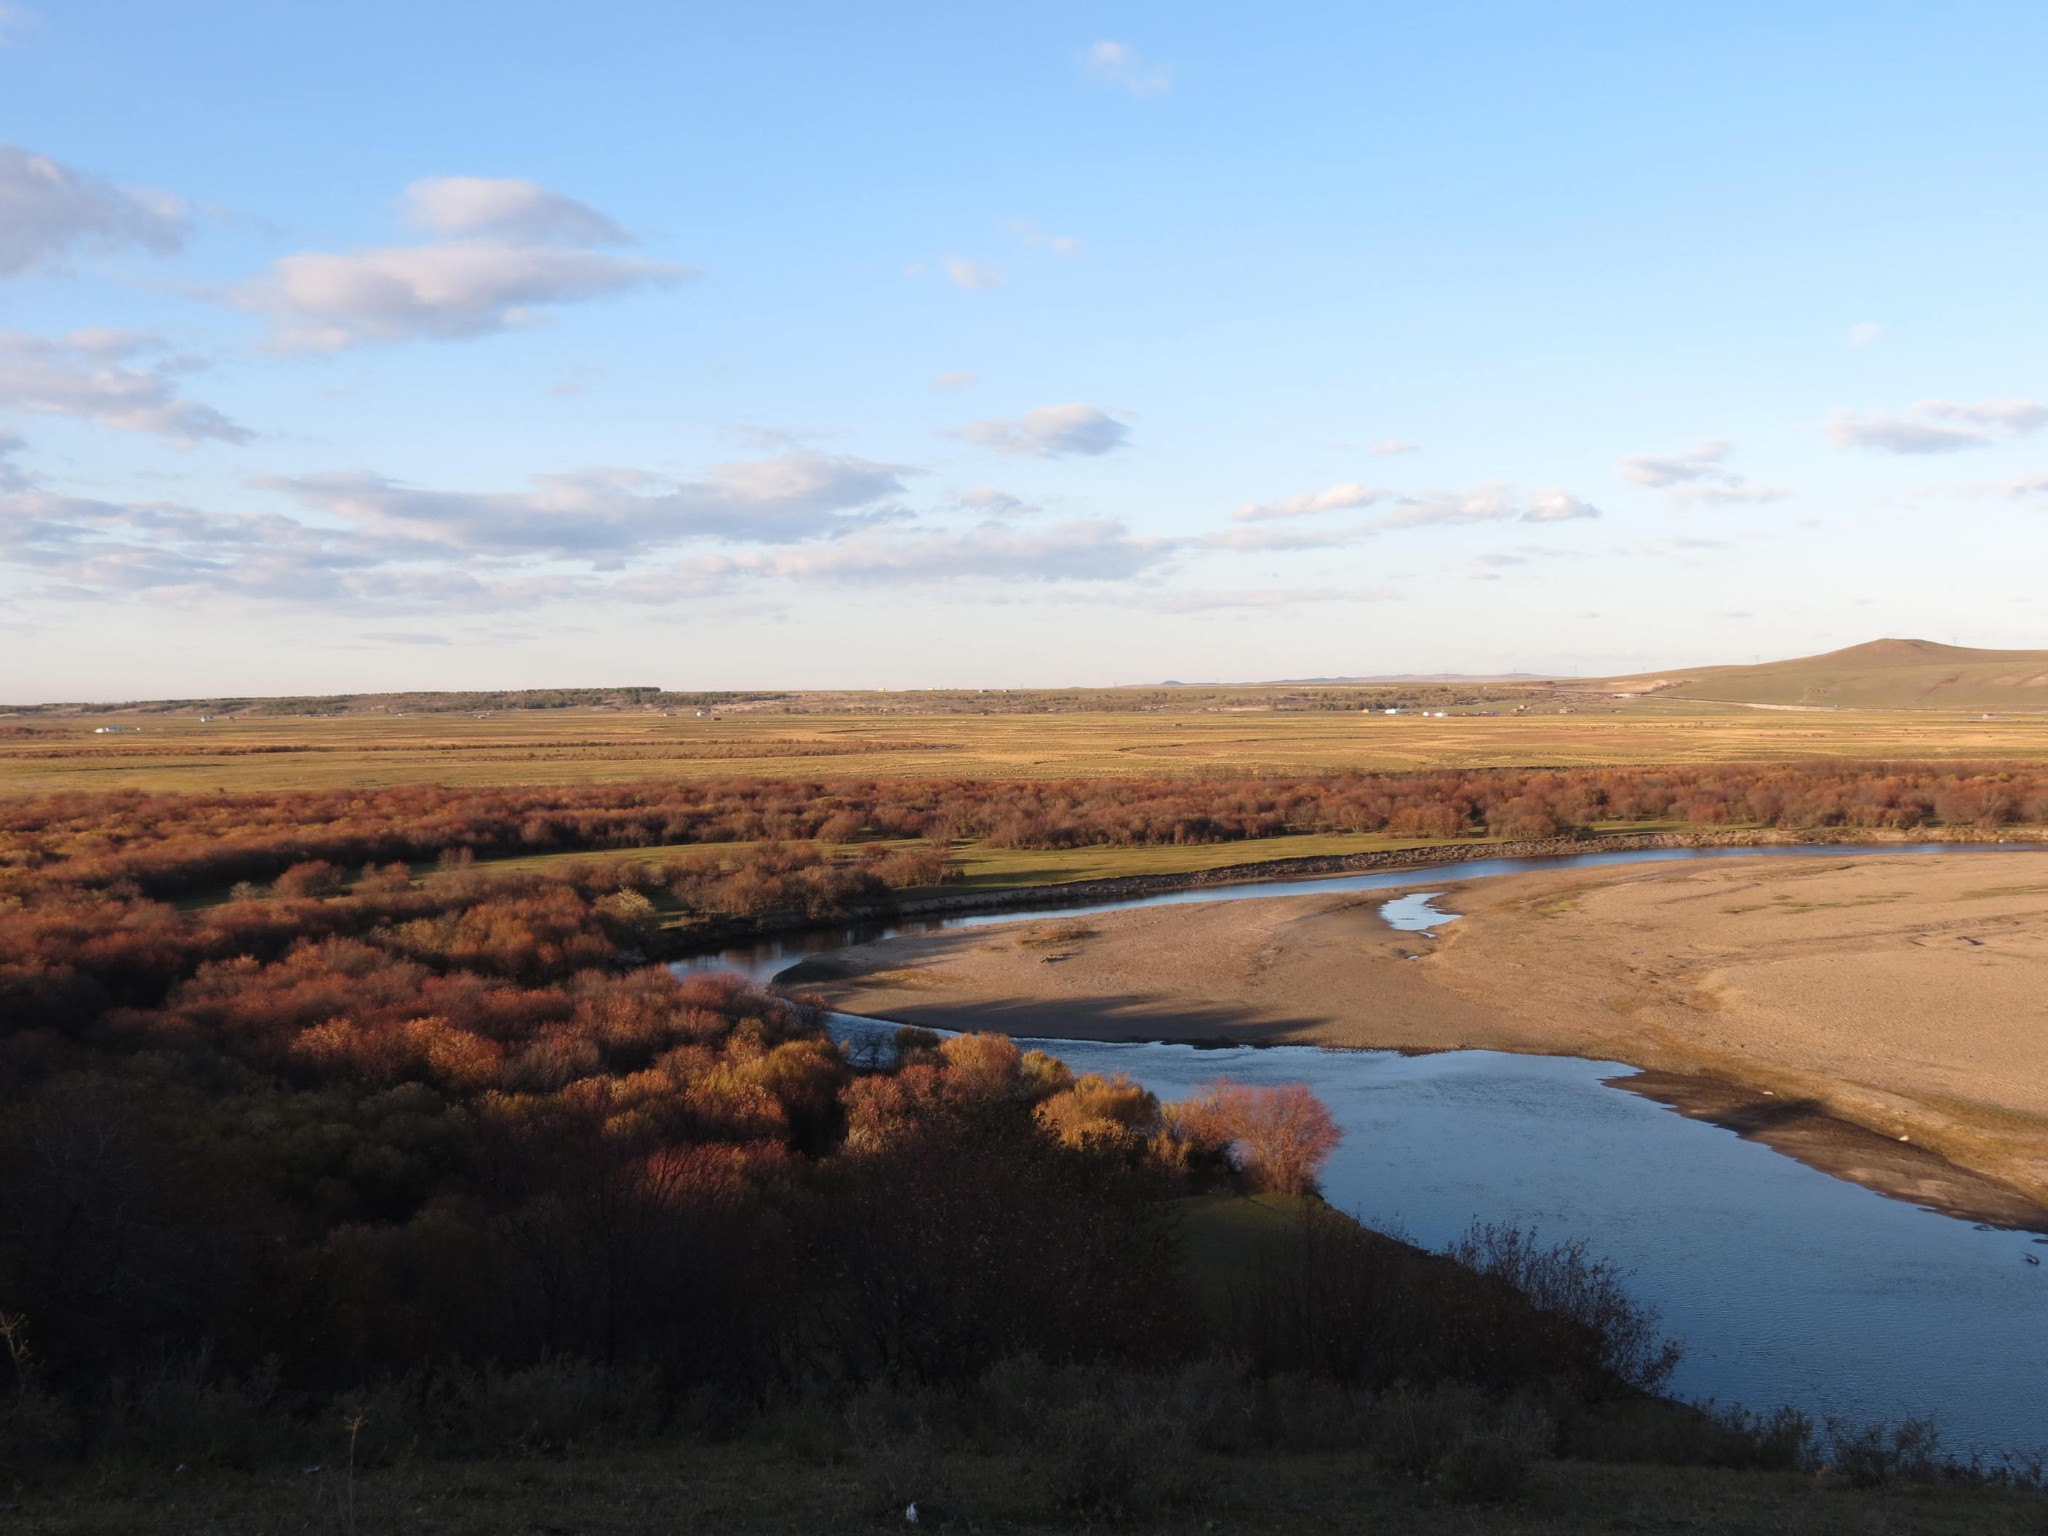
(1880, 674)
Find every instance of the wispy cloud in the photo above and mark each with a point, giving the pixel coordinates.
(1030, 234)
(507, 209)
(1259, 540)
(611, 515)
(365, 540)
(12, 476)
(1392, 446)
(1258, 598)
(2021, 488)
(1118, 64)
(957, 378)
(1082, 551)
(82, 376)
(1491, 503)
(990, 502)
(17, 24)
(1864, 332)
(1051, 432)
(1937, 426)
(1336, 498)
(50, 213)
(511, 249)
(1697, 476)
(974, 276)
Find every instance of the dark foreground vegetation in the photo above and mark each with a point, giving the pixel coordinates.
(363, 1175)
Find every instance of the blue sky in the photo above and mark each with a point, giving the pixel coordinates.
(922, 345)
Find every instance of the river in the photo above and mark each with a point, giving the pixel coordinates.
(1783, 1284)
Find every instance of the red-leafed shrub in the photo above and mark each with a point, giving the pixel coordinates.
(1280, 1137)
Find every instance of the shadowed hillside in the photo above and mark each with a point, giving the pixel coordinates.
(1881, 674)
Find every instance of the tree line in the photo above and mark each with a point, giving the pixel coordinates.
(175, 845)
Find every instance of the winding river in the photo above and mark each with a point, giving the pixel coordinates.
(1784, 1284)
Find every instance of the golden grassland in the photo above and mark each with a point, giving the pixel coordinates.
(170, 752)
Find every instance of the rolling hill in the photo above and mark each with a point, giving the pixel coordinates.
(1880, 674)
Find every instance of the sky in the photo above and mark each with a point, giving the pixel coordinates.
(393, 346)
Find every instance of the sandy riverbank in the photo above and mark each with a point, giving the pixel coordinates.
(1828, 1005)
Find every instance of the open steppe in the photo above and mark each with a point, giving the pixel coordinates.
(1901, 994)
(557, 747)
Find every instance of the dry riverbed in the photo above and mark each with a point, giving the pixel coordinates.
(1883, 1017)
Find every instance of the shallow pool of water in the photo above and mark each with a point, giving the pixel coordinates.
(1415, 913)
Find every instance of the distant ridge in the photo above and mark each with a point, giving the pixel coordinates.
(1879, 674)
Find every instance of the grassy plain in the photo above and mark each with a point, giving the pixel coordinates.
(270, 753)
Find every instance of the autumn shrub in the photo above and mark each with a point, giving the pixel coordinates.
(174, 845)
(1111, 1114)
(313, 878)
(1280, 1138)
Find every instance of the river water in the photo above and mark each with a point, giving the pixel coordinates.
(1783, 1284)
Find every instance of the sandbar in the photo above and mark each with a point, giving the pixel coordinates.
(1885, 1017)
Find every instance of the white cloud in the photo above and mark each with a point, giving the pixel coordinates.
(1030, 234)
(1492, 503)
(1336, 498)
(325, 302)
(972, 275)
(958, 378)
(1697, 476)
(1937, 426)
(1557, 507)
(1051, 431)
(1118, 64)
(515, 210)
(1864, 332)
(49, 212)
(1392, 446)
(79, 377)
(511, 249)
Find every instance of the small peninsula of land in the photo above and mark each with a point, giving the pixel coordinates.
(1884, 1017)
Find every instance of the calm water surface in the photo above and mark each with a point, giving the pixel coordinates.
(1784, 1285)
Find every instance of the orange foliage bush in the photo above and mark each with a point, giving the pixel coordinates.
(1280, 1137)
